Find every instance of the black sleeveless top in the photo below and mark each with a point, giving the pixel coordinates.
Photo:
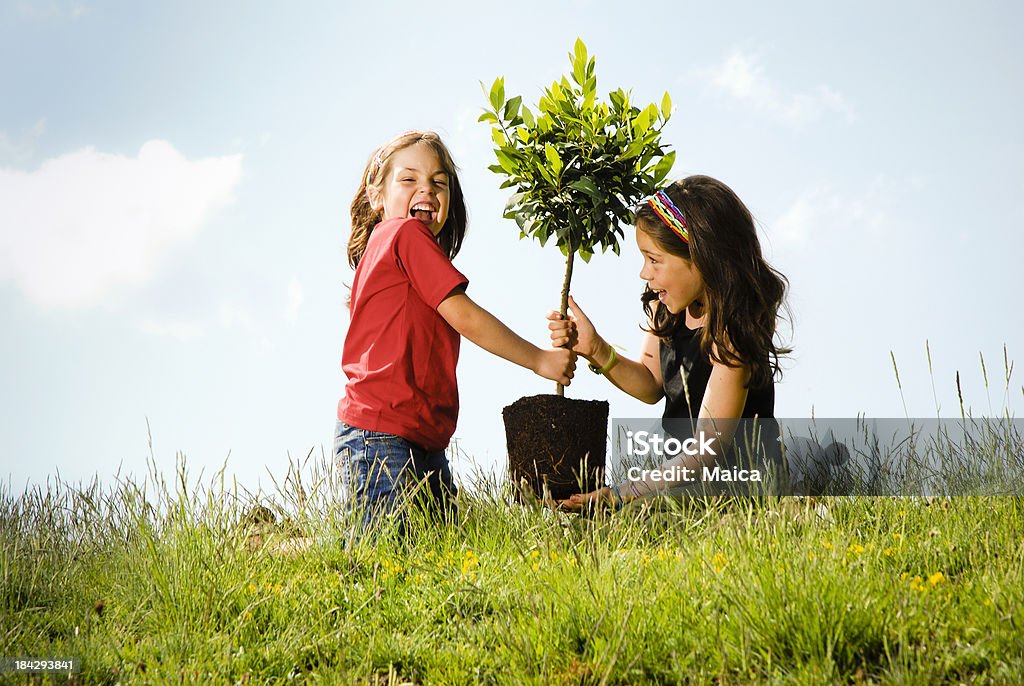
(684, 357)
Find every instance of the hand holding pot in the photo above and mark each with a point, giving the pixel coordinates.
(581, 501)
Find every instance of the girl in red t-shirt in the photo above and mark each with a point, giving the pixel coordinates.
(408, 312)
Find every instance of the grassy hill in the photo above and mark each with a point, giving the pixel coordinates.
(151, 583)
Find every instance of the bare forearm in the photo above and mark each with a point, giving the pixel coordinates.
(628, 376)
(487, 331)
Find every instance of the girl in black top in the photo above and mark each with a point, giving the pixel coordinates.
(712, 304)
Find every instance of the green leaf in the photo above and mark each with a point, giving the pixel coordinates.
(553, 159)
(488, 117)
(546, 174)
(512, 107)
(641, 123)
(586, 185)
(633, 149)
(663, 167)
(498, 93)
(580, 50)
(542, 234)
(616, 98)
(590, 91)
(528, 117)
(579, 64)
(666, 106)
(513, 202)
(506, 162)
(555, 92)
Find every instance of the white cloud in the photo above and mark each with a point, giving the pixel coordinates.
(87, 223)
(823, 211)
(742, 77)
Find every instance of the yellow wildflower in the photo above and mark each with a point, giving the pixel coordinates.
(936, 578)
(719, 561)
(890, 551)
(856, 548)
(469, 563)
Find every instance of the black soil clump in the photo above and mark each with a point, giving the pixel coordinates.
(556, 441)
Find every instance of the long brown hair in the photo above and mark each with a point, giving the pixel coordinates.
(364, 217)
(743, 293)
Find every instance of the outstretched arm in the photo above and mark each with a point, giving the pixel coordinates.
(488, 332)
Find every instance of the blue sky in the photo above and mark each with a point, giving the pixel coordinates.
(175, 178)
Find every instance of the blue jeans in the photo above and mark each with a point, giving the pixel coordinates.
(381, 473)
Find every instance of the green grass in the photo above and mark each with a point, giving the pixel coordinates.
(150, 583)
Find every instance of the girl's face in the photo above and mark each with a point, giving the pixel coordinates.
(416, 185)
(675, 279)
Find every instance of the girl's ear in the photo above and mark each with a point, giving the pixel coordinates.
(375, 197)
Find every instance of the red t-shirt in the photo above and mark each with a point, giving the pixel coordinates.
(399, 353)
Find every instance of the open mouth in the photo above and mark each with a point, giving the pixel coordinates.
(424, 212)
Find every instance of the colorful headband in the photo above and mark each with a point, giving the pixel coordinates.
(670, 214)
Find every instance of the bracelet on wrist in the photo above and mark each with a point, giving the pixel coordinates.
(613, 359)
(618, 497)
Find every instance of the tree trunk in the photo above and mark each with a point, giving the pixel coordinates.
(564, 308)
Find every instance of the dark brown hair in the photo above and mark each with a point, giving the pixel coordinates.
(364, 217)
(743, 293)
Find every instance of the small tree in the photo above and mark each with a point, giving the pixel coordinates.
(579, 165)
